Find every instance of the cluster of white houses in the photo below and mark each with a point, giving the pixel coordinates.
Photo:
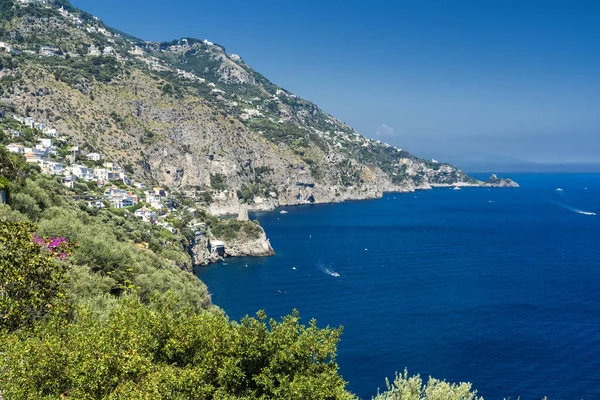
(41, 152)
(104, 175)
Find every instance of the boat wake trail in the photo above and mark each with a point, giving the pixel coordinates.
(329, 271)
(578, 209)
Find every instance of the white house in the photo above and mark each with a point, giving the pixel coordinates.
(120, 198)
(33, 158)
(101, 174)
(68, 181)
(218, 247)
(46, 142)
(82, 172)
(145, 214)
(98, 203)
(48, 51)
(155, 197)
(40, 149)
(16, 148)
(54, 168)
(51, 132)
(94, 156)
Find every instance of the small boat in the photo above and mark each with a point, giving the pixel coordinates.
(335, 274)
(283, 212)
(559, 190)
(456, 188)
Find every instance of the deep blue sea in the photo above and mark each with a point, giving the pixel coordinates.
(498, 287)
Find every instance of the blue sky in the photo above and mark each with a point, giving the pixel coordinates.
(439, 78)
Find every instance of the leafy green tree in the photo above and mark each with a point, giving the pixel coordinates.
(160, 351)
(218, 182)
(32, 280)
(12, 166)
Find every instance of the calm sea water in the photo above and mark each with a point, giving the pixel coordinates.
(498, 287)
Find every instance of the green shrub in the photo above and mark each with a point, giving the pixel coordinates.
(160, 351)
(412, 388)
(218, 182)
(32, 279)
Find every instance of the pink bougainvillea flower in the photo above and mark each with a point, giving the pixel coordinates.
(56, 242)
(38, 240)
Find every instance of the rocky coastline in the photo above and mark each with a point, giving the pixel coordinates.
(229, 204)
(205, 252)
(211, 250)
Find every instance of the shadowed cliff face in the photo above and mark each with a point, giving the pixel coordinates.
(185, 113)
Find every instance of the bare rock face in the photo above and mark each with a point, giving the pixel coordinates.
(495, 181)
(201, 253)
(205, 253)
(260, 247)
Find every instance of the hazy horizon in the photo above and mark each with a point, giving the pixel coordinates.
(513, 79)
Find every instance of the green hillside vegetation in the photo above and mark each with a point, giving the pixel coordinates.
(114, 253)
(54, 345)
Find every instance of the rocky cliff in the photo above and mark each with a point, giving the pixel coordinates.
(190, 116)
(205, 252)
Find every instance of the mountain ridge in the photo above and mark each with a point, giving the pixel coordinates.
(188, 115)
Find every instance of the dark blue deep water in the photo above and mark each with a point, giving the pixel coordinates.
(498, 287)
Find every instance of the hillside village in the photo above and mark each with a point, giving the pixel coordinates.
(99, 183)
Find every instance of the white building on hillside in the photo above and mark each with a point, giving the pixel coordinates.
(94, 156)
(82, 172)
(46, 143)
(145, 214)
(16, 148)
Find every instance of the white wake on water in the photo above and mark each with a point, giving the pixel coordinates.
(578, 209)
(329, 271)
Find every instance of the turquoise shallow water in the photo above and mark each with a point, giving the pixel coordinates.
(498, 287)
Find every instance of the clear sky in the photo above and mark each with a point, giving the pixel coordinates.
(517, 78)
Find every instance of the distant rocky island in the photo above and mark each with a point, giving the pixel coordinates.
(495, 181)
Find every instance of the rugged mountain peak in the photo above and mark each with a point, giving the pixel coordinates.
(188, 115)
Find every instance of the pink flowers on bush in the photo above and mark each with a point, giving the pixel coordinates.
(57, 246)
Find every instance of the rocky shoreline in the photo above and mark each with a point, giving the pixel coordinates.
(206, 251)
(229, 204)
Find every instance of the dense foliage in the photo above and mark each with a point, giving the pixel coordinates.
(163, 352)
(114, 252)
(32, 276)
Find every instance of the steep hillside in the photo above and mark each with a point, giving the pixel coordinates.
(190, 116)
